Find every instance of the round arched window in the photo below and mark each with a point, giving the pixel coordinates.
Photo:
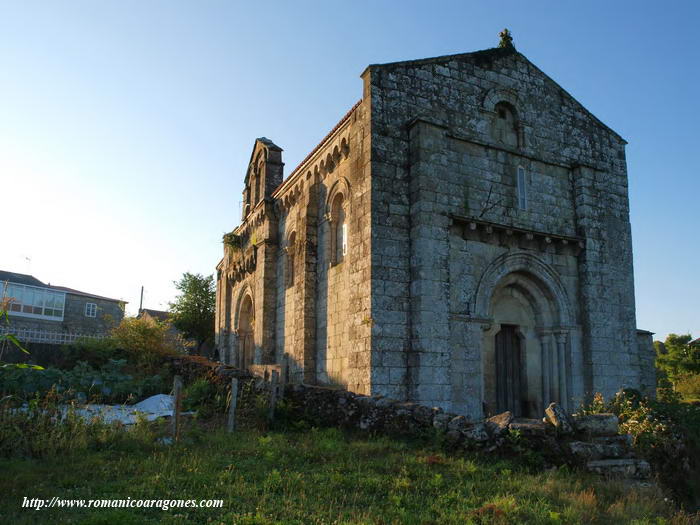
(505, 126)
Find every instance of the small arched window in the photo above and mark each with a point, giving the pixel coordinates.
(339, 230)
(246, 203)
(291, 254)
(256, 195)
(258, 179)
(505, 127)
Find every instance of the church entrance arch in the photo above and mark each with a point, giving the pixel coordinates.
(525, 347)
(246, 333)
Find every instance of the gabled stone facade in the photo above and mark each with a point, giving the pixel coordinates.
(460, 239)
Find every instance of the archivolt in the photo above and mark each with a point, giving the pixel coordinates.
(541, 279)
(496, 95)
(340, 186)
(245, 291)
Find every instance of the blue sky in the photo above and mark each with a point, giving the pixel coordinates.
(125, 126)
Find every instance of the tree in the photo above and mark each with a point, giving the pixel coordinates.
(678, 356)
(193, 310)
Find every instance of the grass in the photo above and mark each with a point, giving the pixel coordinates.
(317, 476)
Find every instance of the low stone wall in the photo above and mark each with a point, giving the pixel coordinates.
(590, 441)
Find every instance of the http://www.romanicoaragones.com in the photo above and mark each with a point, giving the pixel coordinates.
(128, 503)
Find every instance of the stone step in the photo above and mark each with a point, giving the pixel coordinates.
(624, 440)
(620, 468)
(600, 450)
(597, 424)
(528, 427)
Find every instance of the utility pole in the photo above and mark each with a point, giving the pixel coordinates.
(141, 301)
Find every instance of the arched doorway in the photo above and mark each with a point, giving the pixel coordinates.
(526, 346)
(246, 333)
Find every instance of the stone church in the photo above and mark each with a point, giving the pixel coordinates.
(460, 239)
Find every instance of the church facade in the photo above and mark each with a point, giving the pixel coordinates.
(460, 239)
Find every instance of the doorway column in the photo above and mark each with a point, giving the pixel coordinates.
(562, 339)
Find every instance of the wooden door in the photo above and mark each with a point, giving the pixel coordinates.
(509, 373)
(247, 350)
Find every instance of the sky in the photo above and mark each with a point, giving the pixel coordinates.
(126, 126)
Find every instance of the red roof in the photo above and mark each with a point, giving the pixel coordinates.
(78, 292)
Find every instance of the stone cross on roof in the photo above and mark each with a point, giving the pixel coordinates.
(506, 39)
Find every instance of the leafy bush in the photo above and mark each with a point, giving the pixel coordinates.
(689, 387)
(94, 352)
(206, 397)
(145, 342)
(666, 432)
(110, 383)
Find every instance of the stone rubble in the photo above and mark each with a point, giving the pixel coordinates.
(587, 441)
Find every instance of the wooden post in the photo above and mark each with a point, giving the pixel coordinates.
(274, 381)
(232, 407)
(177, 407)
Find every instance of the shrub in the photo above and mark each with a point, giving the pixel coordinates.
(666, 432)
(145, 342)
(689, 387)
(206, 397)
(94, 352)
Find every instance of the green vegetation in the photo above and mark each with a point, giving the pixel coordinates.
(678, 365)
(233, 241)
(146, 343)
(316, 476)
(108, 384)
(8, 339)
(689, 388)
(666, 432)
(133, 363)
(193, 310)
(33, 432)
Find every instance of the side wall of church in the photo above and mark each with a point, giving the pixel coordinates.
(324, 313)
(310, 300)
(434, 158)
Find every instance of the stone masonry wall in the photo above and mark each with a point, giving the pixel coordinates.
(319, 324)
(434, 157)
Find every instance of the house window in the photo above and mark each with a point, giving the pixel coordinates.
(32, 301)
(522, 188)
(90, 310)
(339, 230)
